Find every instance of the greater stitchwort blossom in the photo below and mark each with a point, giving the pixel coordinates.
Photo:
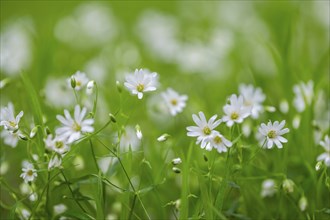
(303, 95)
(219, 142)
(204, 129)
(253, 98)
(272, 133)
(235, 111)
(73, 128)
(10, 138)
(174, 101)
(80, 80)
(268, 188)
(29, 173)
(57, 144)
(141, 81)
(326, 155)
(8, 119)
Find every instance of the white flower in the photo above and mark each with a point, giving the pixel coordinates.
(16, 48)
(59, 209)
(90, 87)
(326, 155)
(253, 98)
(303, 203)
(58, 144)
(29, 173)
(235, 111)
(129, 139)
(25, 214)
(204, 129)
(219, 142)
(176, 161)
(284, 106)
(303, 95)
(55, 90)
(80, 79)
(163, 137)
(288, 186)
(10, 138)
(174, 101)
(55, 161)
(141, 81)
(73, 128)
(272, 133)
(268, 188)
(8, 119)
(138, 132)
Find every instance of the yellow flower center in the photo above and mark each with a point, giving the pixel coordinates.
(59, 144)
(207, 130)
(78, 83)
(271, 134)
(234, 115)
(12, 123)
(29, 172)
(174, 102)
(217, 140)
(76, 126)
(140, 88)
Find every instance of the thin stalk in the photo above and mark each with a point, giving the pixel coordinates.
(68, 184)
(132, 207)
(93, 153)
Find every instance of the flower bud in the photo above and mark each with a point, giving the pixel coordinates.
(4, 83)
(176, 170)
(296, 122)
(138, 132)
(47, 130)
(90, 87)
(303, 203)
(73, 82)
(205, 158)
(288, 186)
(176, 161)
(34, 132)
(319, 165)
(112, 118)
(163, 137)
(119, 86)
(284, 106)
(270, 108)
(23, 137)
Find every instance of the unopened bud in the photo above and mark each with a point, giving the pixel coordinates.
(296, 122)
(73, 82)
(303, 203)
(138, 132)
(288, 186)
(318, 165)
(176, 170)
(176, 161)
(34, 132)
(112, 118)
(47, 130)
(270, 108)
(23, 137)
(284, 106)
(163, 137)
(90, 87)
(4, 83)
(119, 86)
(205, 158)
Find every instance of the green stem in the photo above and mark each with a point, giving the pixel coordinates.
(132, 207)
(94, 157)
(68, 184)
